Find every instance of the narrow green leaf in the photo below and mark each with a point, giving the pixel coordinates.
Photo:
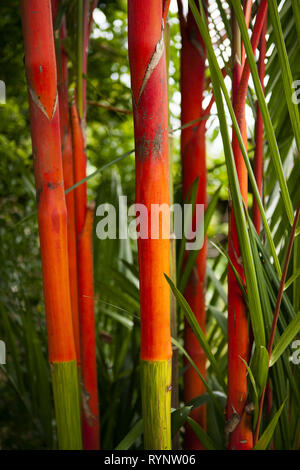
(266, 437)
(260, 367)
(205, 398)
(179, 417)
(203, 437)
(237, 276)
(107, 165)
(292, 278)
(131, 437)
(255, 397)
(251, 376)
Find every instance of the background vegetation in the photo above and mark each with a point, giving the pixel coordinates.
(26, 405)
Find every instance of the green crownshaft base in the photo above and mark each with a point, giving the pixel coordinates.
(156, 404)
(67, 404)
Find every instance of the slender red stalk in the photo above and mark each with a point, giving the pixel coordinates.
(150, 110)
(247, 11)
(238, 341)
(276, 313)
(238, 335)
(244, 71)
(40, 64)
(90, 413)
(90, 421)
(247, 15)
(259, 130)
(79, 168)
(68, 171)
(166, 4)
(193, 157)
(151, 136)
(93, 6)
(90, 409)
(52, 214)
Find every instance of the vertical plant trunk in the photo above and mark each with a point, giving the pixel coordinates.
(89, 392)
(238, 337)
(68, 169)
(90, 409)
(193, 158)
(52, 215)
(146, 21)
(90, 423)
(80, 161)
(238, 334)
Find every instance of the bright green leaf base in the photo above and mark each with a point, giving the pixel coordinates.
(67, 404)
(156, 404)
